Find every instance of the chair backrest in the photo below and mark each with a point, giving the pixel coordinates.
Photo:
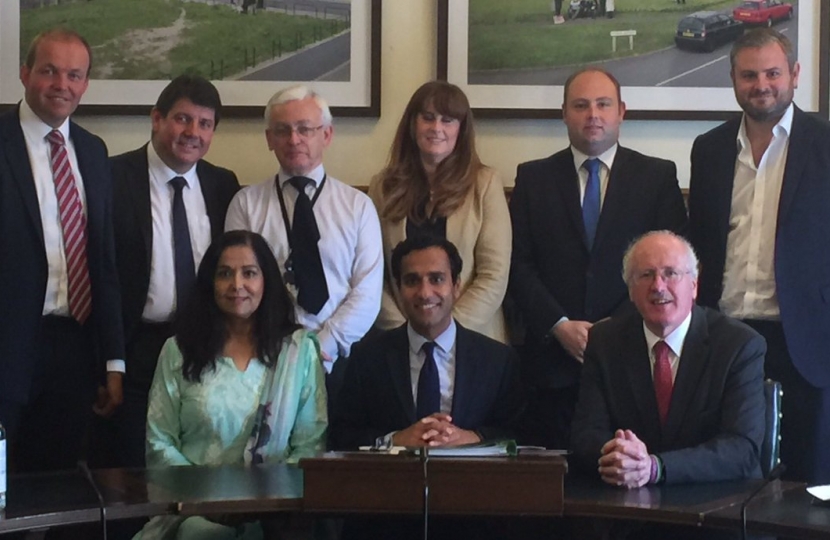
(771, 448)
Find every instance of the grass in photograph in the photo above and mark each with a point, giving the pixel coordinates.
(158, 39)
(520, 34)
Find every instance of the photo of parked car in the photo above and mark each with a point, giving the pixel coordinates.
(706, 31)
(762, 12)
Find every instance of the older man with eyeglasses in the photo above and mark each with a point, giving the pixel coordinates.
(673, 393)
(324, 233)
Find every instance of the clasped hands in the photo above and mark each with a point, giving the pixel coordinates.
(434, 430)
(625, 461)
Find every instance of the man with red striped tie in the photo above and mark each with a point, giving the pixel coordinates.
(60, 311)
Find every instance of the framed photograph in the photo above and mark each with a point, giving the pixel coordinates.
(248, 48)
(670, 56)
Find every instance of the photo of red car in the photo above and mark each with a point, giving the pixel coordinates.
(764, 12)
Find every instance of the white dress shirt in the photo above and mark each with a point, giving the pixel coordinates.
(56, 300)
(40, 153)
(749, 270)
(350, 249)
(161, 294)
(444, 354)
(674, 341)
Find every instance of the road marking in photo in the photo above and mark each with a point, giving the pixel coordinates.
(698, 68)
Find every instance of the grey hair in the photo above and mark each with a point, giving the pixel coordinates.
(761, 37)
(294, 93)
(691, 256)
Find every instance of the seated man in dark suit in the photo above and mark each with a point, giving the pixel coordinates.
(673, 393)
(431, 381)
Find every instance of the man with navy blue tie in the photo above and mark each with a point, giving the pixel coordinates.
(430, 382)
(573, 215)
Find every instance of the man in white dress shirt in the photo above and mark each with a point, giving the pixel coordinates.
(759, 195)
(342, 303)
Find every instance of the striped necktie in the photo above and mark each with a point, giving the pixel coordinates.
(73, 224)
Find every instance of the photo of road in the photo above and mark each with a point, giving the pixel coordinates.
(665, 66)
(257, 40)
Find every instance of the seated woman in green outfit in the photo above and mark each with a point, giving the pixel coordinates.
(239, 383)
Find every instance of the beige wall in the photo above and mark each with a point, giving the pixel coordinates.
(360, 146)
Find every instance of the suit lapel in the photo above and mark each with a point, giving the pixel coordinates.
(639, 375)
(465, 361)
(208, 186)
(722, 169)
(615, 194)
(568, 184)
(138, 182)
(693, 364)
(18, 159)
(798, 154)
(397, 360)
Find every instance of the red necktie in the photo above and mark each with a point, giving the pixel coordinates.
(662, 379)
(73, 223)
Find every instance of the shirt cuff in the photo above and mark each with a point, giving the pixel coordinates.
(560, 321)
(656, 475)
(118, 366)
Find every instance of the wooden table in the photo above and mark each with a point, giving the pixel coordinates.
(200, 490)
(782, 509)
(43, 500)
(352, 482)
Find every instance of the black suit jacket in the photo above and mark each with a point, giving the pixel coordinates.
(23, 265)
(715, 425)
(134, 229)
(553, 275)
(376, 396)
(802, 237)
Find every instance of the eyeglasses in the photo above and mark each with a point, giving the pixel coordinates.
(284, 131)
(669, 275)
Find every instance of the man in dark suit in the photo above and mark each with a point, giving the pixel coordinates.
(758, 201)
(184, 120)
(573, 215)
(431, 381)
(691, 412)
(61, 312)
(670, 394)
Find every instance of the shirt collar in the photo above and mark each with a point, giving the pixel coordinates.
(445, 341)
(31, 123)
(781, 129)
(317, 174)
(161, 173)
(606, 158)
(674, 340)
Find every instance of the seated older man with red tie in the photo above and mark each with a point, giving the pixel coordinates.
(673, 393)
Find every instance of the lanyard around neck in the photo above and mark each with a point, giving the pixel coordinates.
(284, 210)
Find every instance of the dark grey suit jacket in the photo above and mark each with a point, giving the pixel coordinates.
(23, 266)
(376, 396)
(134, 229)
(715, 425)
(552, 273)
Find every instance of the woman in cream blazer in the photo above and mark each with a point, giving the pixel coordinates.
(435, 183)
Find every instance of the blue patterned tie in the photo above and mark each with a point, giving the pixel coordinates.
(590, 203)
(429, 392)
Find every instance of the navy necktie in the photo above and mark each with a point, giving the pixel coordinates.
(590, 203)
(184, 266)
(307, 265)
(429, 391)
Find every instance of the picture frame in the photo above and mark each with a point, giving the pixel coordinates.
(357, 97)
(644, 103)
